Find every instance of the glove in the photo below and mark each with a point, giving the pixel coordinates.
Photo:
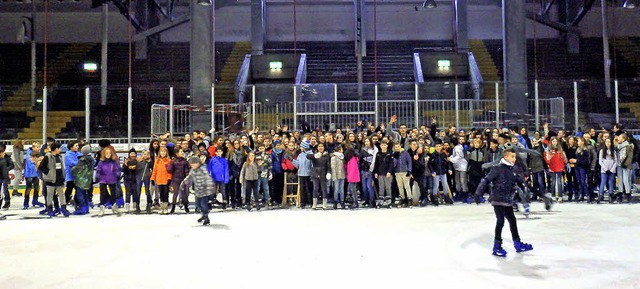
(408, 174)
(168, 182)
(328, 176)
(153, 183)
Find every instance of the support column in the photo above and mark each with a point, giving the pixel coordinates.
(460, 25)
(567, 11)
(514, 43)
(605, 49)
(147, 13)
(258, 26)
(201, 61)
(361, 41)
(104, 51)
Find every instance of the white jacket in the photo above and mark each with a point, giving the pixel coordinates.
(458, 158)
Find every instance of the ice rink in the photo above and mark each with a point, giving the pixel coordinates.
(575, 246)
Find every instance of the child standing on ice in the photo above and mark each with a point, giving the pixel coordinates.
(202, 183)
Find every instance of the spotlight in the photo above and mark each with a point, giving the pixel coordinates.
(204, 2)
(429, 4)
(629, 4)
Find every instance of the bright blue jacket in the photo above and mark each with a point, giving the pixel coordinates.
(70, 160)
(30, 170)
(218, 168)
(303, 164)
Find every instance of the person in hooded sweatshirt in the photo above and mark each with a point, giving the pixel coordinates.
(504, 180)
(460, 168)
(129, 168)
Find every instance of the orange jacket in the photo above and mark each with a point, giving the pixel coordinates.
(160, 173)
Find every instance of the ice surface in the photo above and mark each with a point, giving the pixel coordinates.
(575, 246)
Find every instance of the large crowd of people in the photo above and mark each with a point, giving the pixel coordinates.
(358, 166)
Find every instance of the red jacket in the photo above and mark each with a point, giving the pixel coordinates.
(556, 161)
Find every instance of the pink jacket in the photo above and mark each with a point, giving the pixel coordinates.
(353, 171)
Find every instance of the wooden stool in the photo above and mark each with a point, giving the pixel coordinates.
(285, 196)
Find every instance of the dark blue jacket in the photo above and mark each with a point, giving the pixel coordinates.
(402, 162)
(276, 159)
(504, 181)
(583, 159)
(438, 163)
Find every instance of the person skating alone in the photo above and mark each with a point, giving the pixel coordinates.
(501, 197)
(202, 183)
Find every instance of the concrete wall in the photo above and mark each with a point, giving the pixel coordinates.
(317, 23)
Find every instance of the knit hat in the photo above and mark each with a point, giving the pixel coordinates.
(305, 144)
(194, 160)
(133, 150)
(276, 142)
(85, 150)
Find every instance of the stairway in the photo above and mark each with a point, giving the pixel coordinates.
(67, 59)
(20, 100)
(487, 67)
(634, 108)
(56, 122)
(225, 92)
(629, 50)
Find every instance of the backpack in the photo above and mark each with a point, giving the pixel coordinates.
(83, 174)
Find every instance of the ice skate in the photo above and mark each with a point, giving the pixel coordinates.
(64, 211)
(498, 250)
(7, 204)
(548, 203)
(522, 247)
(116, 210)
